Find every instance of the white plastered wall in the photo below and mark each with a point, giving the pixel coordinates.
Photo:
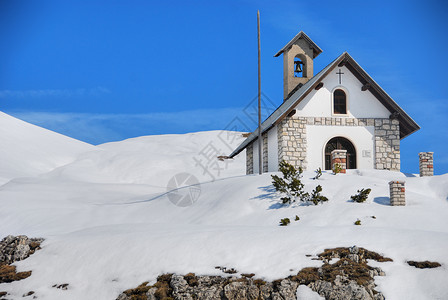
(361, 137)
(272, 150)
(359, 104)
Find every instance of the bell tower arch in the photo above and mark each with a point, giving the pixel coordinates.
(298, 56)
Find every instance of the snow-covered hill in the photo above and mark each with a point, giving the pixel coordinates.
(109, 223)
(153, 160)
(29, 150)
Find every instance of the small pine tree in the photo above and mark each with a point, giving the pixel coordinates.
(290, 184)
(358, 222)
(292, 187)
(316, 197)
(285, 222)
(297, 218)
(337, 169)
(361, 196)
(318, 173)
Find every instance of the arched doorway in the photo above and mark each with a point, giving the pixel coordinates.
(340, 143)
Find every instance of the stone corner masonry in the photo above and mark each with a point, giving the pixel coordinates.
(426, 163)
(397, 193)
(292, 141)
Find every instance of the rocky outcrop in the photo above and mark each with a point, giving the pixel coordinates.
(348, 278)
(15, 248)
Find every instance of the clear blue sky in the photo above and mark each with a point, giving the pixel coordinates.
(102, 71)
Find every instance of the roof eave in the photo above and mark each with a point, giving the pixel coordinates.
(409, 125)
(316, 49)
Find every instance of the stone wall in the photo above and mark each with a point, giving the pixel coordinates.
(387, 138)
(250, 159)
(292, 141)
(426, 163)
(265, 152)
(387, 144)
(397, 193)
(302, 50)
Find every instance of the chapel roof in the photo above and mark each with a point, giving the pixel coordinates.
(301, 35)
(407, 124)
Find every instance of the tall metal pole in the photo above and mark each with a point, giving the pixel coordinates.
(260, 142)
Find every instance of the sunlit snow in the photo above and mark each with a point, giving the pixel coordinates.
(109, 224)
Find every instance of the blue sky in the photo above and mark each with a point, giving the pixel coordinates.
(103, 71)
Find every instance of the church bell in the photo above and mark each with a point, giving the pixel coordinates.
(298, 67)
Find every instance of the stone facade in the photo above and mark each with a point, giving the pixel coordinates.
(339, 157)
(387, 138)
(250, 159)
(387, 144)
(304, 52)
(291, 136)
(292, 141)
(265, 152)
(397, 193)
(426, 163)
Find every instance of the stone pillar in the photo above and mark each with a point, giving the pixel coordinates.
(397, 193)
(291, 134)
(339, 157)
(265, 152)
(250, 159)
(387, 144)
(426, 163)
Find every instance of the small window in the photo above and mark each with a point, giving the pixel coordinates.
(339, 102)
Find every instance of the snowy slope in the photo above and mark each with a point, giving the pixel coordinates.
(109, 224)
(153, 160)
(29, 150)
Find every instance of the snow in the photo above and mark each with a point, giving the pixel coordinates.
(109, 224)
(29, 150)
(305, 293)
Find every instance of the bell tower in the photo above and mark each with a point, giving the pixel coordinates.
(298, 56)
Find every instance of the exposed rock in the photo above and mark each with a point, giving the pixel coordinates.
(348, 278)
(354, 250)
(226, 270)
(241, 290)
(15, 248)
(424, 264)
(29, 294)
(62, 286)
(341, 289)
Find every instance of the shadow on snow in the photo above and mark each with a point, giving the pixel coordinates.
(271, 194)
(382, 200)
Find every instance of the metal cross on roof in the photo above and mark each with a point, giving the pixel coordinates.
(340, 74)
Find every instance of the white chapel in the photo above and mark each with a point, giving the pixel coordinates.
(339, 108)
